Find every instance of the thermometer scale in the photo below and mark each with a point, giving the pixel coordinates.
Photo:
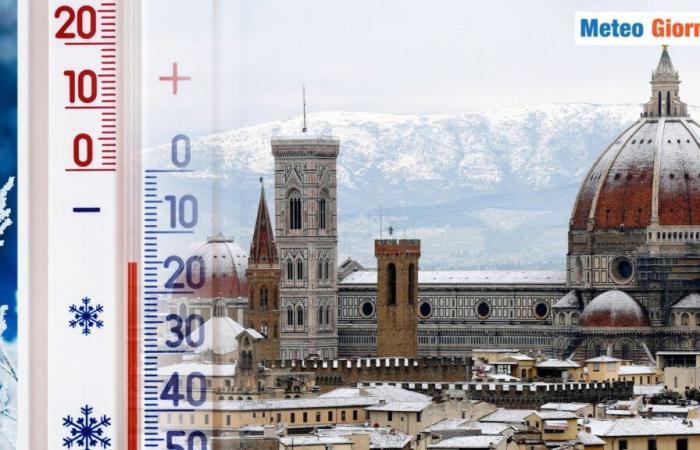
(116, 154)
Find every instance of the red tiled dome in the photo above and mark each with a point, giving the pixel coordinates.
(225, 264)
(613, 309)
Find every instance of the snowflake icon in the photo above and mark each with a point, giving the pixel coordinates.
(86, 432)
(86, 316)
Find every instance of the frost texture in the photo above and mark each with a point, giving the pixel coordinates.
(8, 372)
(5, 220)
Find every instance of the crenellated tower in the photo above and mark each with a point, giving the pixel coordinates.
(397, 297)
(263, 276)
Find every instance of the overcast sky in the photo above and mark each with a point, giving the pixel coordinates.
(400, 56)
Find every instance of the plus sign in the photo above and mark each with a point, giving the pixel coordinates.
(174, 78)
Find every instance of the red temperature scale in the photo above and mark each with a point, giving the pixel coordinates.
(120, 191)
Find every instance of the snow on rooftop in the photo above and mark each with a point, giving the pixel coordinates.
(296, 403)
(555, 415)
(558, 364)
(588, 439)
(219, 335)
(690, 301)
(603, 359)
(648, 390)
(379, 438)
(313, 440)
(568, 301)
(636, 370)
(400, 406)
(386, 393)
(644, 427)
(475, 442)
(508, 415)
(571, 407)
(468, 277)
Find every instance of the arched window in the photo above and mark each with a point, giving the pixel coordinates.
(294, 210)
(685, 319)
(328, 316)
(659, 100)
(263, 298)
(625, 352)
(300, 316)
(319, 273)
(320, 316)
(322, 212)
(327, 270)
(411, 283)
(668, 103)
(300, 269)
(290, 270)
(391, 280)
(290, 316)
(263, 329)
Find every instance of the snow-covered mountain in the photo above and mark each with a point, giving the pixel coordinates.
(487, 189)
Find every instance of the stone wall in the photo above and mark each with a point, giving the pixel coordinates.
(524, 396)
(331, 374)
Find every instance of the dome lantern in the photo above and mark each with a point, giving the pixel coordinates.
(665, 99)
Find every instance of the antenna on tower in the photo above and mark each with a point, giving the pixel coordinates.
(303, 97)
(381, 226)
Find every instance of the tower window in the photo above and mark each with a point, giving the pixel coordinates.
(659, 101)
(300, 269)
(320, 316)
(391, 280)
(294, 210)
(322, 213)
(290, 270)
(300, 316)
(263, 298)
(290, 317)
(411, 283)
(668, 103)
(326, 271)
(328, 315)
(319, 273)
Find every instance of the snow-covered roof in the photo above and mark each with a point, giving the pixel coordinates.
(571, 407)
(379, 438)
(206, 369)
(557, 364)
(636, 370)
(295, 441)
(603, 358)
(476, 442)
(252, 332)
(508, 415)
(644, 427)
(219, 335)
(399, 406)
(555, 415)
(296, 403)
(648, 390)
(619, 412)
(672, 409)
(589, 439)
(690, 301)
(386, 393)
(501, 377)
(568, 301)
(468, 277)
(491, 428)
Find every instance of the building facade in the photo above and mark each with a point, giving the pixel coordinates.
(307, 240)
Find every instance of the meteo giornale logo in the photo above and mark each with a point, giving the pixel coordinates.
(605, 28)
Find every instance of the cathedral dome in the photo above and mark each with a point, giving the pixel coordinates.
(650, 174)
(225, 264)
(613, 309)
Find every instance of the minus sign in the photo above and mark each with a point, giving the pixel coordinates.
(86, 210)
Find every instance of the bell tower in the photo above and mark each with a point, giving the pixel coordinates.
(397, 297)
(263, 277)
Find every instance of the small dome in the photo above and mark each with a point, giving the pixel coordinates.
(613, 309)
(225, 265)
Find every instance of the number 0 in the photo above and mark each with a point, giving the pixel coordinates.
(82, 158)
